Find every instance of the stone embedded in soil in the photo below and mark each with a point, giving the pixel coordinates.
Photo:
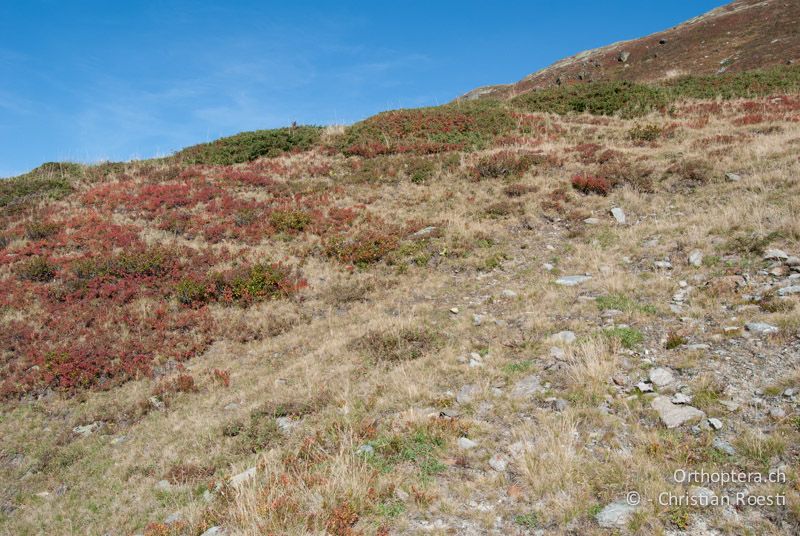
(618, 214)
(498, 463)
(696, 258)
(786, 291)
(526, 387)
(563, 337)
(775, 254)
(761, 327)
(572, 280)
(673, 415)
(661, 376)
(243, 477)
(467, 393)
(615, 515)
(466, 443)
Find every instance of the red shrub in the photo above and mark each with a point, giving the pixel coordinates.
(590, 184)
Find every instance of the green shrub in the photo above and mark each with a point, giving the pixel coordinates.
(248, 146)
(37, 269)
(643, 133)
(420, 170)
(600, 98)
(190, 291)
(40, 230)
(49, 181)
(779, 79)
(289, 220)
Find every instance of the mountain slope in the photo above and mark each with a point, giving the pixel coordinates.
(740, 36)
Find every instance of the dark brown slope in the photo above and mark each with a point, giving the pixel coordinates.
(742, 35)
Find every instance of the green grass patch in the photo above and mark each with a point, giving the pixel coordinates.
(628, 337)
(248, 146)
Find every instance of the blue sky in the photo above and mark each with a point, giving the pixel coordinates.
(89, 80)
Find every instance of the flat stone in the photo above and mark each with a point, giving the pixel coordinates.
(776, 255)
(786, 291)
(777, 413)
(425, 231)
(87, 429)
(761, 327)
(454, 310)
(526, 387)
(498, 463)
(662, 265)
(733, 177)
(216, 530)
(680, 398)
(243, 477)
(661, 376)
(673, 415)
(365, 450)
(723, 446)
(619, 215)
(508, 293)
(286, 424)
(466, 443)
(563, 337)
(591, 221)
(174, 517)
(644, 387)
(793, 261)
(703, 496)
(558, 353)
(716, 424)
(572, 280)
(696, 258)
(615, 515)
(467, 393)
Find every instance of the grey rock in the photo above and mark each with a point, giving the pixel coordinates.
(702, 495)
(87, 429)
(733, 177)
(365, 450)
(547, 266)
(526, 387)
(793, 261)
(508, 293)
(425, 231)
(789, 392)
(644, 387)
(696, 258)
(466, 443)
(558, 353)
(243, 477)
(286, 424)
(723, 446)
(619, 215)
(716, 424)
(673, 415)
(498, 462)
(615, 515)
(119, 440)
(591, 221)
(208, 496)
(163, 485)
(661, 376)
(477, 320)
(216, 530)
(761, 327)
(663, 265)
(777, 413)
(786, 291)
(572, 280)
(623, 56)
(563, 337)
(680, 398)
(775, 254)
(467, 393)
(174, 517)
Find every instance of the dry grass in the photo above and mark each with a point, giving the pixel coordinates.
(372, 355)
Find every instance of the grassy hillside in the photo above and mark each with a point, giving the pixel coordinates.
(429, 321)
